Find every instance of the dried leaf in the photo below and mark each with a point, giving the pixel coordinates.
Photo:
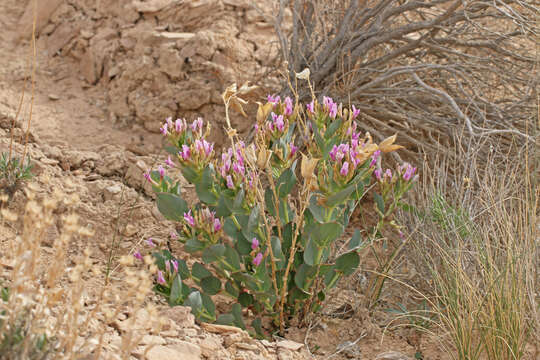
(387, 144)
(307, 167)
(304, 74)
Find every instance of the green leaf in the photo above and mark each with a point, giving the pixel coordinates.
(245, 299)
(231, 289)
(331, 279)
(257, 325)
(190, 174)
(199, 272)
(211, 285)
(311, 253)
(304, 277)
(232, 259)
(237, 313)
(176, 297)
(341, 196)
(334, 126)
(319, 212)
(347, 263)
(356, 240)
(213, 253)
(380, 202)
(225, 319)
(278, 255)
(224, 206)
(285, 183)
(253, 220)
(269, 201)
(209, 308)
(171, 206)
(194, 301)
(324, 234)
(193, 245)
(204, 187)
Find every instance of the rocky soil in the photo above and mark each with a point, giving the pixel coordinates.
(108, 73)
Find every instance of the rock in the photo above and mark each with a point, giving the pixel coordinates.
(61, 37)
(152, 340)
(210, 344)
(142, 322)
(222, 329)
(151, 6)
(181, 350)
(111, 191)
(181, 315)
(129, 230)
(44, 11)
(53, 97)
(392, 355)
(288, 344)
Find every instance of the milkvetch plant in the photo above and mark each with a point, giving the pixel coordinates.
(270, 212)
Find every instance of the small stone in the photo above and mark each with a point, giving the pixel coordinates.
(54, 97)
(288, 344)
(210, 345)
(392, 355)
(129, 230)
(221, 329)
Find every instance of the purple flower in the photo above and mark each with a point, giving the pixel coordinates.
(217, 225)
(163, 129)
(175, 265)
(375, 157)
(180, 125)
(167, 266)
(150, 242)
(280, 124)
(270, 125)
(257, 260)
(294, 149)
(388, 174)
(174, 235)
(256, 127)
(169, 162)
(333, 153)
(401, 235)
(238, 168)
(333, 111)
(230, 183)
(161, 171)
(327, 102)
(189, 218)
(197, 124)
(186, 152)
(409, 172)
(274, 99)
(378, 174)
(160, 278)
(355, 113)
(254, 243)
(147, 176)
(288, 106)
(311, 107)
(137, 255)
(344, 169)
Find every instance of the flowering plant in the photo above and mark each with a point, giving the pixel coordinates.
(264, 227)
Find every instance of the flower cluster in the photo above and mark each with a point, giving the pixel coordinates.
(233, 167)
(255, 247)
(204, 221)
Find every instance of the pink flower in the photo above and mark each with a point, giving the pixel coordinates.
(163, 129)
(186, 152)
(137, 255)
(333, 111)
(217, 225)
(270, 125)
(230, 183)
(280, 124)
(175, 265)
(378, 174)
(147, 176)
(257, 260)
(197, 124)
(311, 107)
(388, 174)
(274, 99)
(288, 106)
(161, 171)
(180, 125)
(294, 149)
(169, 162)
(150, 242)
(401, 235)
(174, 235)
(344, 169)
(409, 172)
(254, 243)
(375, 157)
(167, 266)
(333, 153)
(256, 127)
(160, 278)
(355, 113)
(189, 218)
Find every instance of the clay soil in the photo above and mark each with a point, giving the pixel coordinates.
(108, 73)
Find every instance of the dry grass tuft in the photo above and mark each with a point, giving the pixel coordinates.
(50, 310)
(477, 241)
